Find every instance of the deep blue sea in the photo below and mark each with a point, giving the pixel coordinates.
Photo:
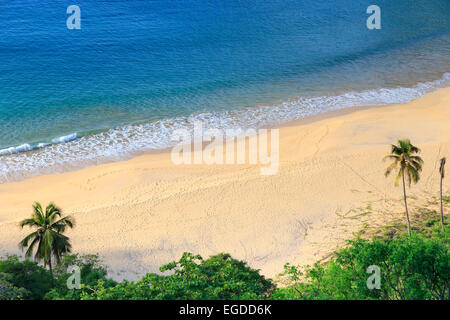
(137, 69)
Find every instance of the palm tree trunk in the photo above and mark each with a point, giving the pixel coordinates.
(406, 204)
(442, 208)
(51, 271)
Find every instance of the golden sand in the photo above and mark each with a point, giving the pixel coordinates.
(145, 212)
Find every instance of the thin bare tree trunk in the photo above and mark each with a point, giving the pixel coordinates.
(406, 204)
(442, 208)
(442, 173)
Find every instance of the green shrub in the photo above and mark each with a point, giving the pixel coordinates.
(92, 270)
(411, 268)
(28, 275)
(219, 277)
(8, 291)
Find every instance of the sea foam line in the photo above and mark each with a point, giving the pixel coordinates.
(28, 147)
(72, 152)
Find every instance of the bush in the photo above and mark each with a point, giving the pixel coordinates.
(28, 275)
(411, 268)
(219, 277)
(8, 291)
(92, 270)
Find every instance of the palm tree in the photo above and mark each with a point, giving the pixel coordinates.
(405, 163)
(442, 172)
(49, 236)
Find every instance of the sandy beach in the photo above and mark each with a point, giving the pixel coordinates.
(145, 212)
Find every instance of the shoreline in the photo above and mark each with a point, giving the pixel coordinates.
(133, 140)
(165, 150)
(144, 212)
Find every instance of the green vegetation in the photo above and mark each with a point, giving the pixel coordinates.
(219, 277)
(192, 277)
(405, 163)
(411, 267)
(32, 280)
(92, 272)
(8, 291)
(27, 280)
(442, 176)
(424, 221)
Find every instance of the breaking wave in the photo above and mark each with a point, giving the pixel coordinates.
(75, 151)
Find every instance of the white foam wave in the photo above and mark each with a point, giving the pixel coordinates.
(22, 148)
(69, 152)
(67, 138)
(28, 147)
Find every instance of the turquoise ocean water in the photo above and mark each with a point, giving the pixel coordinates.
(139, 69)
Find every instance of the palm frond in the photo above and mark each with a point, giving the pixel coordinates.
(390, 168)
(61, 245)
(398, 175)
(393, 157)
(38, 213)
(30, 222)
(51, 212)
(24, 242)
(414, 174)
(30, 249)
(61, 224)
